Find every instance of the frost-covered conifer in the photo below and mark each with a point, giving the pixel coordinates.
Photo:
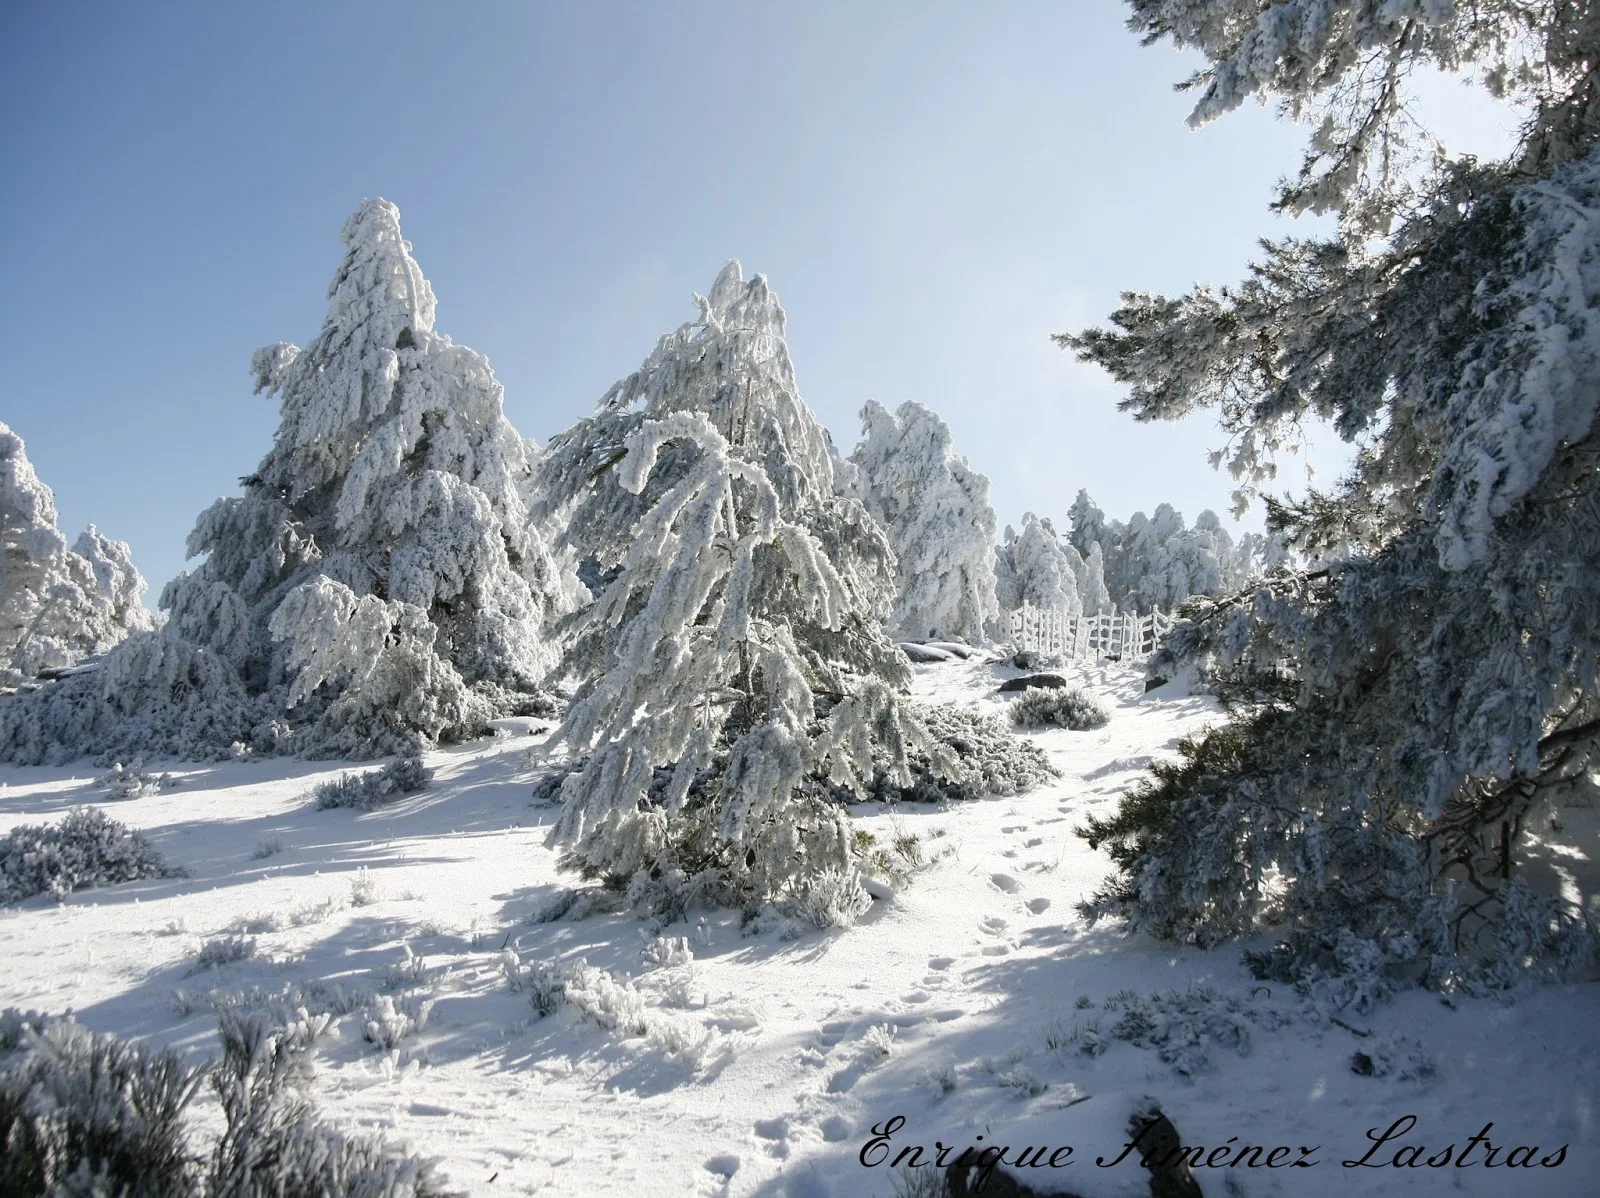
(941, 526)
(379, 582)
(734, 667)
(57, 605)
(1403, 712)
(1038, 568)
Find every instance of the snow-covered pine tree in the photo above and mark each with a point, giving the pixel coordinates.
(941, 526)
(1038, 568)
(1404, 713)
(735, 674)
(379, 583)
(57, 605)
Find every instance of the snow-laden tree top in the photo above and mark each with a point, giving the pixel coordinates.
(1035, 567)
(57, 605)
(940, 523)
(732, 366)
(380, 579)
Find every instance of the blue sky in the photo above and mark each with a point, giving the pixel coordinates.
(932, 188)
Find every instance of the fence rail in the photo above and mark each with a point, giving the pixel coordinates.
(1127, 637)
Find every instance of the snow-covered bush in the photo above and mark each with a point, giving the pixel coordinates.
(390, 1021)
(1394, 1056)
(941, 526)
(86, 849)
(746, 592)
(223, 950)
(409, 973)
(602, 998)
(57, 605)
(363, 888)
(275, 1145)
(378, 586)
(665, 952)
(82, 1113)
(980, 757)
(547, 987)
(370, 790)
(133, 781)
(1183, 1027)
(1071, 709)
(835, 899)
(878, 1042)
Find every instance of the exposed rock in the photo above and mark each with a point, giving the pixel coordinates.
(1030, 680)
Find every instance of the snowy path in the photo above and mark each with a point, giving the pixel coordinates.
(963, 1004)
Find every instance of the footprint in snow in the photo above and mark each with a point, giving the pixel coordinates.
(836, 1128)
(1038, 905)
(776, 1133)
(724, 1165)
(1034, 842)
(940, 962)
(994, 925)
(1005, 882)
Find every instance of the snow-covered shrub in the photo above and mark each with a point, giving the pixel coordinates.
(223, 950)
(1184, 1026)
(605, 1000)
(878, 1042)
(271, 846)
(298, 916)
(409, 973)
(275, 1145)
(370, 790)
(1023, 1080)
(363, 888)
(86, 849)
(82, 1113)
(133, 781)
(941, 526)
(388, 1021)
(1394, 1056)
(978, 756)
(676, 1036)
(666, 952)
(835, 899)
(378, 585)
(516, 974)
(1071, 709)
(547, 987)
(57, 605)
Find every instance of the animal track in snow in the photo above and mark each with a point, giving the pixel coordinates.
(940, 962)
(1005, 882)
(1038, 905)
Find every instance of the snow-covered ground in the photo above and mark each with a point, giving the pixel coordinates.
(973, 1004)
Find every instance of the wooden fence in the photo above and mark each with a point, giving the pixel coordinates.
(1127, 637)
